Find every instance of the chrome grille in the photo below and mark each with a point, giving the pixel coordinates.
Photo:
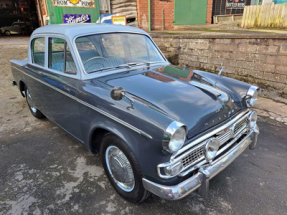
(193, 157)
(197, 155)
(239, 125)
(223, 138)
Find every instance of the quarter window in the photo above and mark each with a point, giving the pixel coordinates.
(60, 57)
(38, 51)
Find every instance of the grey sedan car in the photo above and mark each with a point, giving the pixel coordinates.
(160, 128)
(15, 28)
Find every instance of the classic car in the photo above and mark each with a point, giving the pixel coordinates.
(160, 128)
(15, 28)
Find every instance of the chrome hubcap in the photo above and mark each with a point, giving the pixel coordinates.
(120, 168)
(30, 102)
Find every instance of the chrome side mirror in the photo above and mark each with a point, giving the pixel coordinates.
(118, 93)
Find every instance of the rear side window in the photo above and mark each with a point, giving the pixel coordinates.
(60, 57)
(38, 51)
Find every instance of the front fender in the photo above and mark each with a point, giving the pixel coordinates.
(148, 152)
(104, 112)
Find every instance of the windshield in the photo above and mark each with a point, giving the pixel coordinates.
(108, 51)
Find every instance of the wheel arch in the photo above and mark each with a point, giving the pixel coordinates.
(97, 134)
(95, 126)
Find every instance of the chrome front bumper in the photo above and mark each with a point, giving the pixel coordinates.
(205, 173)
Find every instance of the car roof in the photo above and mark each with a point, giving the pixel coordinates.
(73, 30)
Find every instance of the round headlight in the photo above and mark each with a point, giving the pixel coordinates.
(252, 119)
(177, 140)
(251, 96)
(211, 148)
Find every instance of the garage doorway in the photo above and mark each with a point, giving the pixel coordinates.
(18, 17)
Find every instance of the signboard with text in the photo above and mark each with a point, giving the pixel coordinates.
(235, 4)
(76, 18)
(119, 20)
(74, 3)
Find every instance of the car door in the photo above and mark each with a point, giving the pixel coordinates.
(56, 96)
(15, 28)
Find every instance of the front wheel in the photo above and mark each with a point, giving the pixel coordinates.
(122, 169)
(7, 33)
(35, 112)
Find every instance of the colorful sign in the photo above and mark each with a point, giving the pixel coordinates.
(106, 18)
(76, 18)
(73, 3)
(119, 20)
(236, 4)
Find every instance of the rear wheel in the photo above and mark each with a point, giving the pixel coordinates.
(7, 33)
(122, 169)
(35, 112)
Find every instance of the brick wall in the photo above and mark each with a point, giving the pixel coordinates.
(142, 8)
(209, 12)
(259, 60)
(156, 14)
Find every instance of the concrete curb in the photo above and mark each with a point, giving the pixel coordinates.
(274, 110)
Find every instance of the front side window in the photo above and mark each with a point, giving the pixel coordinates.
(60, 57)
(38, 51)
(108, 51)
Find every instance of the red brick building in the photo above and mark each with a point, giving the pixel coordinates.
(166, 14)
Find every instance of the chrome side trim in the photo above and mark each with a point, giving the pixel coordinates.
(91, 106)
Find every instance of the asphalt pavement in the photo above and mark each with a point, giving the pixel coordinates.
(45, 171)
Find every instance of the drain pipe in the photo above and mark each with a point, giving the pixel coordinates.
(149, 17)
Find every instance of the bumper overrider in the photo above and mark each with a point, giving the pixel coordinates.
(201, 179)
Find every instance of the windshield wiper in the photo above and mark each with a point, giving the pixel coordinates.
(138, 63)
(123, 66)
(102, 69)
(143, 63)
(109, 68)
(127, 65)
